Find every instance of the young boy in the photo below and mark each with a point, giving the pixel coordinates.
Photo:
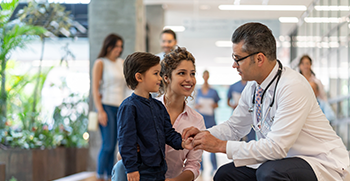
(144, 125)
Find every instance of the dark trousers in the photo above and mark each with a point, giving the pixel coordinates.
(288, 169)
(153, 173)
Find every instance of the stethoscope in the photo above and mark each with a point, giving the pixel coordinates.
(251, 109)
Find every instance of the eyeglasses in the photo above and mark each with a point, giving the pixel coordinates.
(240, 59)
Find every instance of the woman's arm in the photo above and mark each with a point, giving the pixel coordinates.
(96, 78)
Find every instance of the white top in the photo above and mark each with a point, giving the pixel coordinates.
(294, 127)
(112, 86)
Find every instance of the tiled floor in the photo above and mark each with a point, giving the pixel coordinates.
(205, 175)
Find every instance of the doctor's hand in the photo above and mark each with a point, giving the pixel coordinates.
(206, 141)
(189, 132)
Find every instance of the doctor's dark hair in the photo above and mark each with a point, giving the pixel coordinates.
(138, 62)
(109, 43)
(170, 63)
(257, 38)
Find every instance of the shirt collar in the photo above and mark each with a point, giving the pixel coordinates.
(268, 79)
(161, 99)
(142, 98)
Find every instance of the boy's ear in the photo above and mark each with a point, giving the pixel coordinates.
(166, 79)
(138, 77)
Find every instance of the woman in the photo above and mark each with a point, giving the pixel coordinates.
(108, 88)
(178, 73)
(304, 65)
(206, 102)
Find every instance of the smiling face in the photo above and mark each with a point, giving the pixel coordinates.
(246, 67)
(183, 79)
(151, 79)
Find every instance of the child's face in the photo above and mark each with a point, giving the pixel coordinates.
(152, 79)
(183, 79)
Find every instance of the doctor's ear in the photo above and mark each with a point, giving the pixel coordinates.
(261, 58)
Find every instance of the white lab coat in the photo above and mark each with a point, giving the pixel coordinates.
(298, 128)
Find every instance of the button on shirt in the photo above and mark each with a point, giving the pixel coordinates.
(298, 128)
(145, 122)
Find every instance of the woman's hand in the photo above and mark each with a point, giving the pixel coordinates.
(102, 118)
(187, 143)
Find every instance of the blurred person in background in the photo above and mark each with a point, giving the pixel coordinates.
(168, 42)
(109, 90)
(304, 65)
(233, 96)
(207, 100)
(324, 105)
(234, 93)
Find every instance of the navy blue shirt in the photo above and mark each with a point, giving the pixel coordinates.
(145, 122)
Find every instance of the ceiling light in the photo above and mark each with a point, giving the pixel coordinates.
(175, 28)
(223, 43)
(288, 19)
(332, 8)
(263, 7)
(322, 20)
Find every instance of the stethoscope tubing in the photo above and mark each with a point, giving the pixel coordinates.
(278, 76)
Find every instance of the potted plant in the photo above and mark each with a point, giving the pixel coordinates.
(13, 34)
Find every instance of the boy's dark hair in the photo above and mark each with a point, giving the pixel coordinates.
(138, 62)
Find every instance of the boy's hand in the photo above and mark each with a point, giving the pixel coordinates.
(133, 176)
(188, 143)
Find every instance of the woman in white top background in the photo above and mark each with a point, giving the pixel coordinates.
(108, 90)
(304, 65)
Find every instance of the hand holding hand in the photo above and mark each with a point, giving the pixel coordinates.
(189, 132)
(206, 141)
(187, 143)
(133, 176)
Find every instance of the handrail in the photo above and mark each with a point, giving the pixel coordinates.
(338, 99)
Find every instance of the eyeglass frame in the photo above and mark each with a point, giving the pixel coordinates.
(240, 59)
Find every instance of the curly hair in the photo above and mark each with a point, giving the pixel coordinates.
(170, 63)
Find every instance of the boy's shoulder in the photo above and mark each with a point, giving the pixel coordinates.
(159, 104)
(128, 101)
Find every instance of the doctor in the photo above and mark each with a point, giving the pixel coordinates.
(295, 140)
